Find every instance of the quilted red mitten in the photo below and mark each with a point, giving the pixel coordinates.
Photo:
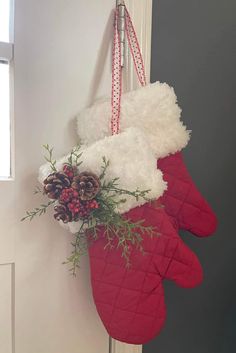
(130, 301)
(154, 110)
(183, 202)
(139, 316)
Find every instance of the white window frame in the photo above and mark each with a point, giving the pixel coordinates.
(6, 52)
(7, 57)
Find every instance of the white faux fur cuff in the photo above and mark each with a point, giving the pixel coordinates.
(131, 160)
(153, 109)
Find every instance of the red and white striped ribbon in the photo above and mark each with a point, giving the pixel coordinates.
(117, 70)
(116, 79)
(135, 49)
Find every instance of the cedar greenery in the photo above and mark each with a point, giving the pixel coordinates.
(119, 231)
(38, 211)
(49, 157)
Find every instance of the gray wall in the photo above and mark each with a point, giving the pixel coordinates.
(194, 49)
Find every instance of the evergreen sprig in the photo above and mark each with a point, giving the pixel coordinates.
(74, 157)
(119, 231)
(38, 211)
(105, 165)
(79, 248)
(49, 157)
(38, 190)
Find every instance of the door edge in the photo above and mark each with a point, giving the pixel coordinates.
(141, 14)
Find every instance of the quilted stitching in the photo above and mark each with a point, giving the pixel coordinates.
(183, 202)
(130, 301)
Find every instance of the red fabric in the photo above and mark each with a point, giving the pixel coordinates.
(130, 301)
(183, 202)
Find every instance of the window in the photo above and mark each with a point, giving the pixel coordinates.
(6, 50)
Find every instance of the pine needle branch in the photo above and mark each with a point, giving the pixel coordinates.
(38, 211)
(80, 248)
(113, 186)
(38, 190)
(74, 157)
(104, 167)
(49, 157)
(118, 231)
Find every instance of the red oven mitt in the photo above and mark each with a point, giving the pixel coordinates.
(154, 110)
(130, 301)
(183, 202)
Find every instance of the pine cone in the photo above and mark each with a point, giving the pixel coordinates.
(62, 213)
(55, 183)
(87, 184)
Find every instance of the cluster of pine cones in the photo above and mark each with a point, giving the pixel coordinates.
(74, 191)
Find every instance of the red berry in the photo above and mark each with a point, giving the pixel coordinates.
(68, 170)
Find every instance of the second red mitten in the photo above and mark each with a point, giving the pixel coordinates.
(154, 110)
(130, 301)
(182, 200)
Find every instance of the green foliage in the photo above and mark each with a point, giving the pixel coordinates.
(38, 190)
(74, 157)
(49, 157)
(105, 165)
(119, 231)
(38, 211)
(79, 248)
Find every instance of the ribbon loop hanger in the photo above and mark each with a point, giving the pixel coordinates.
(123, 26)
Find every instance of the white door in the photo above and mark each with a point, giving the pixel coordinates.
(62, 63)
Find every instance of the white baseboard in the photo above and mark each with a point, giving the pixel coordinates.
(119, 347)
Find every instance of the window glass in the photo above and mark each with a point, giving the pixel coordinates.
(4, 20)
(5, 170)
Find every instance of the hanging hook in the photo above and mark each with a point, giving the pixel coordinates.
(121, 28)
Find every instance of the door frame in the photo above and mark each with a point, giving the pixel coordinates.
(141, 14)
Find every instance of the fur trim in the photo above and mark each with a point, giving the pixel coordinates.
(152, 108)
(131, 160)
